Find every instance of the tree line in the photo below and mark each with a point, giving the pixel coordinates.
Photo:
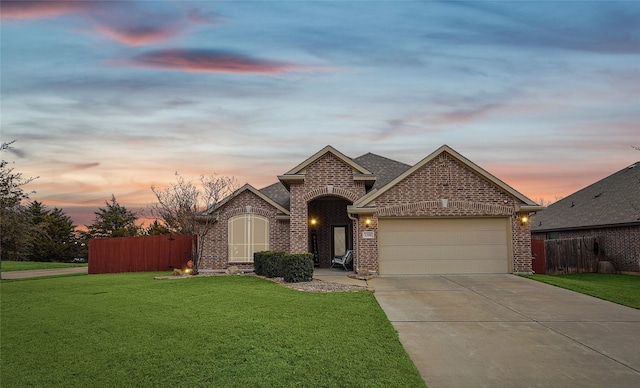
(29, 230)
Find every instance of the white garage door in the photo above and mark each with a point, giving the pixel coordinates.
(412, 246)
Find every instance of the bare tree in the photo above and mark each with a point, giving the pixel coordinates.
(185, 207)
(15, 230)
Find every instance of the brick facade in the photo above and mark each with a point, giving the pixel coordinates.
(467, 194)
(620, 245)
(326, 186)
(215, 252)
(327, 176)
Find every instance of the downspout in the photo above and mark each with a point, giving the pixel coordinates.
(356, 248)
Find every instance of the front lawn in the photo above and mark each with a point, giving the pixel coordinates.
(225, 331)
(8, 266)
(621, 289)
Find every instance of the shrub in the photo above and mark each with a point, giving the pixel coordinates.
(297, 267)
(268, 263)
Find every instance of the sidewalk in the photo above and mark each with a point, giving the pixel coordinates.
(43, 272)
(336, 275)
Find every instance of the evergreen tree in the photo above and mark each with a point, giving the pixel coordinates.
(15, 233)
(53, 232)
(156, 229)
(113, 221)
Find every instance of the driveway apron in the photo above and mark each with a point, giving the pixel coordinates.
(509, 331)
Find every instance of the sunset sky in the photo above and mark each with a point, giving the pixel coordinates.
(112, 97)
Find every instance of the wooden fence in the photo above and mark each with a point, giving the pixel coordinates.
(574, 255)
(538, 262)
(139, 254)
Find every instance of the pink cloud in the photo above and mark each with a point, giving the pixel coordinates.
(123, 21)
(138, 35)
(39, 9)
(211, 61)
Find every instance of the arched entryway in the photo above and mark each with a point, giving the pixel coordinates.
(330, 228)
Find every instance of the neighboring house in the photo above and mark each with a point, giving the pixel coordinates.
(442, 215)
(609, 209)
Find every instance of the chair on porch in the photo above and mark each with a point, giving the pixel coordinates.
(343, 260)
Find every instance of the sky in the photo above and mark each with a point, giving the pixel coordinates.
(113, 97)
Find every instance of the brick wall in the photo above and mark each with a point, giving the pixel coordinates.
(215, 252)
(327, 170)
(467, 194)
(444, 177)
(620, 245)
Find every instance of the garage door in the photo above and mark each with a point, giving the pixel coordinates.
(441, 246)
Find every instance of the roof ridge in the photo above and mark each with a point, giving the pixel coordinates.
(272, 184)
(383, 157)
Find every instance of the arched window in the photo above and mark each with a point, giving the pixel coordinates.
(248, 233)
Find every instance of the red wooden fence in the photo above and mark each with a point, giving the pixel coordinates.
(139, 254)
(538, 263)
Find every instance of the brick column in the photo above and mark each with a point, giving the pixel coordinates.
(299, 232)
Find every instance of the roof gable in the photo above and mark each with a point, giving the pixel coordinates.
(300, 168)
(613, 200)
(298, 173)
(372, 195)
(248, 187)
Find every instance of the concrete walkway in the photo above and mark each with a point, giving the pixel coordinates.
(336, 275)
(508, 331)
(43, 272)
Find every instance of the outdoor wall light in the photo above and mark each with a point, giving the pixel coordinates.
(313, 222)
(367, 222)
(524, 219)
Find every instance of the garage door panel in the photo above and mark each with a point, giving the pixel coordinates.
(482, 237)
(445, 252)
(439, 246)
(444, 266)
(438, 225)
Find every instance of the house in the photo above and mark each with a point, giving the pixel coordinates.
(608, 209)
(442, 215)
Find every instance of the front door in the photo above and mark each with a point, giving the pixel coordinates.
(339, 240)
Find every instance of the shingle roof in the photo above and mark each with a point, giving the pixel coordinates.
(613, 200)
(278, 193)
(384, 168)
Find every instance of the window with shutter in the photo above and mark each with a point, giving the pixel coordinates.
(248, 233)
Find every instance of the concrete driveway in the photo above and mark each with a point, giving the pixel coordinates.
(508, 331)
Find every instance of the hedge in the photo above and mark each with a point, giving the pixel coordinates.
(297, 267)
(268, 263)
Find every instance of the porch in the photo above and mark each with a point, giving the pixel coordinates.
(336, 275)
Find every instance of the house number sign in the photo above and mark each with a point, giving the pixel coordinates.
(368, 234)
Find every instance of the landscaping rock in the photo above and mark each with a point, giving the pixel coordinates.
(320, 286)
(233, 270)
(606, 267)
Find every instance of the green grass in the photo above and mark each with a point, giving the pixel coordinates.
(621, 289)
(8, 266)
(240, 331)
